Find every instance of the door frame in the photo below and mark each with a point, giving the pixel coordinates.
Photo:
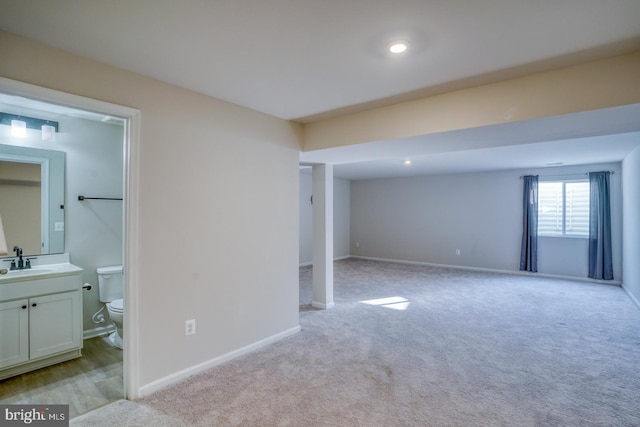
(131, 170)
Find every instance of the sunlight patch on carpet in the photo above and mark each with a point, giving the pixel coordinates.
(395, 303)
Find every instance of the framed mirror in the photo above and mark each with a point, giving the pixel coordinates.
(32, 198)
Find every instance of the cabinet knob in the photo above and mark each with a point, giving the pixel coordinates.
(24, 307)
(34, 304)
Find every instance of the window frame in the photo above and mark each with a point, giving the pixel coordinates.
(563, 182)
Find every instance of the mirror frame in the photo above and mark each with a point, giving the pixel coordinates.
(52, 191)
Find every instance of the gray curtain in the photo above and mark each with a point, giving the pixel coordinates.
(600, 262)
(529, 248)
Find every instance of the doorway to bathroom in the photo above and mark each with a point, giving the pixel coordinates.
(98, 141)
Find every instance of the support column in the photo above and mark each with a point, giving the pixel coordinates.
(322, 236)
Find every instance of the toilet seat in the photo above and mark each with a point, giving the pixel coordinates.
(116, 306)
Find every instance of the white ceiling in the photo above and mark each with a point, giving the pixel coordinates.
(303, 60)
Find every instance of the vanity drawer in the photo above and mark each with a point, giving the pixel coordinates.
(30, 288)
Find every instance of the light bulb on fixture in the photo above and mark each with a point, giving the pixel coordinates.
(398, 46)
(48, 133)
(18, 128)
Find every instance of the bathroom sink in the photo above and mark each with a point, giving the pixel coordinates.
(41, 269)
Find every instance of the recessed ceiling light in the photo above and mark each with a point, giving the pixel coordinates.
(398, 46)
(407, 162)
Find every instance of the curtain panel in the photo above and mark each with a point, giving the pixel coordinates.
(600, 258)
(529, 247)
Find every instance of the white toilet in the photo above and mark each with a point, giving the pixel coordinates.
(111, 288)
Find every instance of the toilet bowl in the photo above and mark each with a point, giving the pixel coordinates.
(110, 283)
(115, 309)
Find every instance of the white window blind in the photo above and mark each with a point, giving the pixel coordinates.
(563, 208)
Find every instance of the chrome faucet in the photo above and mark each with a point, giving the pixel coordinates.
(18, 251)
(21, 264)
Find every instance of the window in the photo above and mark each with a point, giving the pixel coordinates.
(563, 208)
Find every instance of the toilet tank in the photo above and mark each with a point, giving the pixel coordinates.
(110, 283)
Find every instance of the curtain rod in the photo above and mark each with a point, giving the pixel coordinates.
(569, 174)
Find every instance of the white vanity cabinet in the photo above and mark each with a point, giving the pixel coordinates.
(14, 321)
(55, 323)
(40, 320)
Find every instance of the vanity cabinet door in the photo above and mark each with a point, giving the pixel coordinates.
(14, 332)
(54, 324)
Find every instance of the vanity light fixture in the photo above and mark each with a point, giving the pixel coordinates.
(398, 46)
(20, 124)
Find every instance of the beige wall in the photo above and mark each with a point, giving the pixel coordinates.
(20, 171)
(426, 218)
(595, 85)
(218, 220)
(631, 224)
(341, 218)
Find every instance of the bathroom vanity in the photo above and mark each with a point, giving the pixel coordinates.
(40, 315)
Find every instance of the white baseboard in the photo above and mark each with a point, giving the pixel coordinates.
(494, 270)
(323, 306)
(161, 383)
(306, 264)
(100, 331)
(633, 298)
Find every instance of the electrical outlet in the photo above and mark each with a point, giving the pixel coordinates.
(357, 244)
(457, 251)
(190, 327)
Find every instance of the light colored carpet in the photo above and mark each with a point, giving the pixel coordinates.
(450, 348)
(127, 413)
